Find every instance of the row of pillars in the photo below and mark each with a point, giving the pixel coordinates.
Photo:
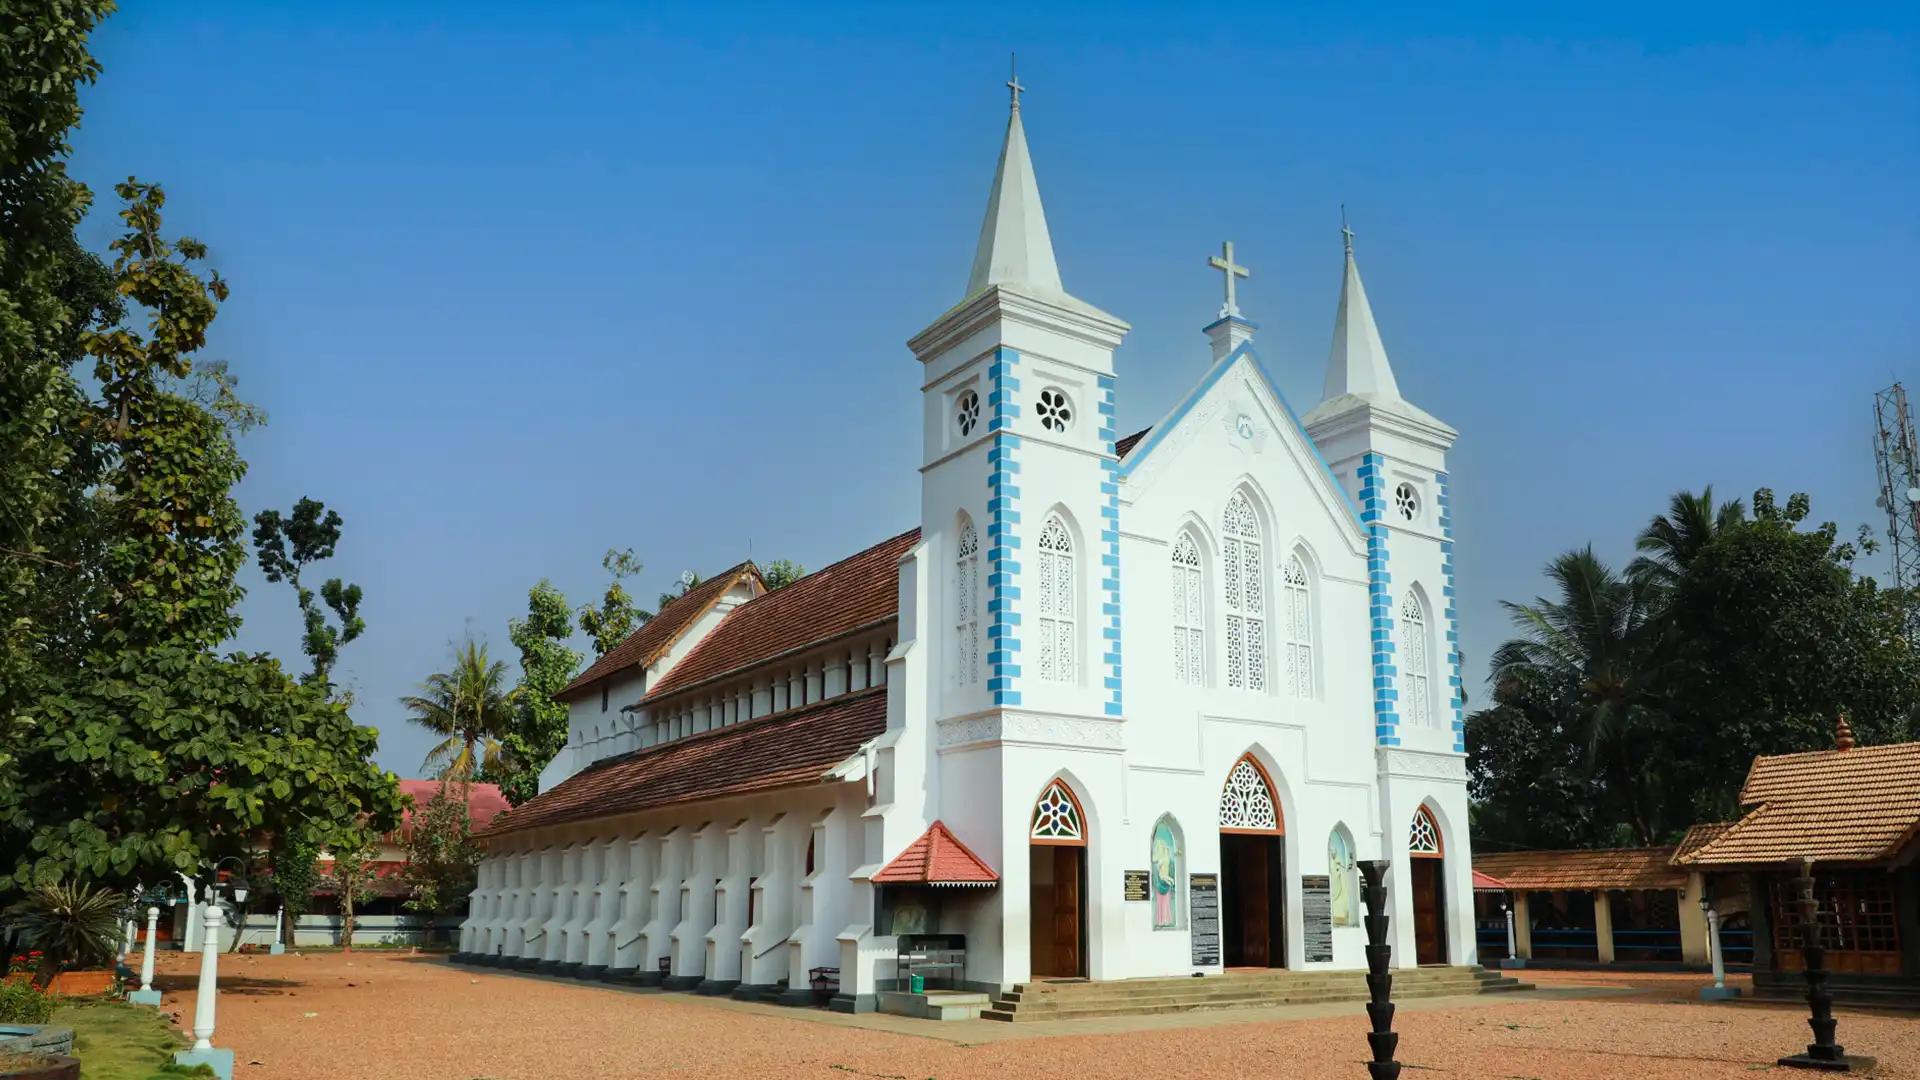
(1694, 947)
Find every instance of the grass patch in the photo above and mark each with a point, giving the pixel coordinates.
(116, 1041)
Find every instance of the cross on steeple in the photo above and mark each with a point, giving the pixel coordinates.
(1346, 234)
(1013, 84)
(1224, 263)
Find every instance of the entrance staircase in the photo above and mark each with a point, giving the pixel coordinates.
(1082, 1000)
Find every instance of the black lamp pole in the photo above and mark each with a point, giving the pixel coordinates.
(1379, 983)
(1823, 1053)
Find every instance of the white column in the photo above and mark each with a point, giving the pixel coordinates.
(560, 888)
(1713, 950)
(192, 939)
(209, 976)
(635, 891)
(146, 960)
(665, 903)
(1511, 946)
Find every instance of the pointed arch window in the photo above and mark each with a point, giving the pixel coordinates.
(1417, 674)
(1247, 804)
(1189, 620)
(1423, 839)
(1057, 623)
(1057, 818)
(966, 599)
(1242, 573)
(1298, 612)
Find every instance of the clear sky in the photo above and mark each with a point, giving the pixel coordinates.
(517, 283)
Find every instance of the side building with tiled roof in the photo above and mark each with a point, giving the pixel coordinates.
(1116, 707)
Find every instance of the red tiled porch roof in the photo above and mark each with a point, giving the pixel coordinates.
(937, 858)
(790, 749)
(858, 591)
(1488, 883)
(1583, 871)
(645, 645)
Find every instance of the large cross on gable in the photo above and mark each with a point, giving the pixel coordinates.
(1224, 263)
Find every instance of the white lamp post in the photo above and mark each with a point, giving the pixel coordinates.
(1719, 991)
(147, 995)
(279, 937)
(203, 1051)
(1513, 948)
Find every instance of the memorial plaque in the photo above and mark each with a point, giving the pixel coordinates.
(1135, 886)
(1316, 912)
(1204, 910)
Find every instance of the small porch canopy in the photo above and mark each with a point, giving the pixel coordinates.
(937, 858)
(1598, 906)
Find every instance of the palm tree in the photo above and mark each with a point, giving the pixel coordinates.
(1592, 657)
(470, 706)
(1671, 541)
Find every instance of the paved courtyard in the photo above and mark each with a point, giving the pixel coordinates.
(372, 1016)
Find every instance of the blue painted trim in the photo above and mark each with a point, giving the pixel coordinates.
(1455, 688)
(1214, 375)
(1110, 562)
(1373, 500)
(1003, 568)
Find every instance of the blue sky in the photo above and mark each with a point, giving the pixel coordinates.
(516, 285)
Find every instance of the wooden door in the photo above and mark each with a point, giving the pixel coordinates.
(1256, 922)
(1066, 910)
(1429, 922)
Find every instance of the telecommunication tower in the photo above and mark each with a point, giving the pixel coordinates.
(1897, 458)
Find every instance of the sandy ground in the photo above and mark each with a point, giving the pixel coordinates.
(372, 1016)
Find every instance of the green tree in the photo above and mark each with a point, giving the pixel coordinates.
(539, 727)
(135, 749)
(442, 859)
(296, 873)
(471, 707)
(616, 617)
(353, 877)
(285, 544)
(781, 573)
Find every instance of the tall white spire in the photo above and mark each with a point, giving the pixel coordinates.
(1358, 363)
(1015, 247)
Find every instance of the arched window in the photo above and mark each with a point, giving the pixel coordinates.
(1416, 670)
(1423, 839)
(1057, 627)
(966, 599)
(1247, 803)
(1167, 861)
(1057, 818)
(1246, 596)
(1343, 878)
(1298, 612)
(1189, 620)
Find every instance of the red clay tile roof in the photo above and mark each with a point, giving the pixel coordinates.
(645, 645)
(790, 749)
(937, 858)
(1126, 444)
(1858, 805)
(1607, 868)
(1697, 837)
(484, 801)
(858, 591)
(1488, 883)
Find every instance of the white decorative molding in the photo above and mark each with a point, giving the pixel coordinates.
(1041, 728)
(1422, 764)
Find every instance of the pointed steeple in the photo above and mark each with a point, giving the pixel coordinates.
(1015, 247)
(1358, 363)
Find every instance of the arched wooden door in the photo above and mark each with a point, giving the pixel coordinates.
(1427, 869)
(1253, 914)
(1057, 876)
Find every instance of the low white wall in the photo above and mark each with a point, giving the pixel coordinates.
(367, 929)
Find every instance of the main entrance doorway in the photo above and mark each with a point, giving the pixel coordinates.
(1253, 914)
(1427, 866)
(1057, 873)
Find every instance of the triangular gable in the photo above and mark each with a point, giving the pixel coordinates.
(937, 858)
(1336, 498)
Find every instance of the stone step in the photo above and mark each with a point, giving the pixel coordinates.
(1031, 1002)
(1464, 981)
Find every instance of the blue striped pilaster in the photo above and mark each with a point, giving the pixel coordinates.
(1455, 690)
(1373, 518)
(1110, 546)
(1003, 534)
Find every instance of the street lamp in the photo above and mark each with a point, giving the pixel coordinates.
(203, 1051)
(1719, 991)
(153, 898)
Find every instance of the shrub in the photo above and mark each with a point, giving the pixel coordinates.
(21, 1002)
(72, 926)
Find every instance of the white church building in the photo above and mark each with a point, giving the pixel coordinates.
(1116, 707)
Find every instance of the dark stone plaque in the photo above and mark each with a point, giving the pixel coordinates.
(1316, 912)
(1135, 885)
(1204, 900)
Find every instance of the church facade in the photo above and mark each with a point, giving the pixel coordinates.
(1117, 707)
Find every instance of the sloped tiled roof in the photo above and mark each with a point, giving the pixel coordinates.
(645, 645)
(1699, 836)
(1606, 868)
(484, 802)
(1126, 444)
(937, 858)
(860, 590)
(790, 749)
(1857, 805)
(1486, 882)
